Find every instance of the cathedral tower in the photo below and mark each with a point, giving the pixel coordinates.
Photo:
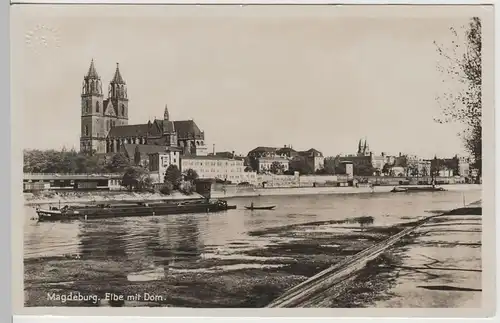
(93, 136)
(117, 94)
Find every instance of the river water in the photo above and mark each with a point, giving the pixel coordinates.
(207, 235)
(237, 258)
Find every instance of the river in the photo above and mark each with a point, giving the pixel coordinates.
(178, 243)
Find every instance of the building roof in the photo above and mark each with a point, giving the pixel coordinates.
(130, 149)
(185, 129)
(262, 149)
(310, 152)
(226, 154)
(167, 126)
(136, 130)
(286, 150)
(210, 158)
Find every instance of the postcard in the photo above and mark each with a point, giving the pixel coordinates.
(257, 160)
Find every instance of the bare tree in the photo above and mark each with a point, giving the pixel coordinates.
(463, 64)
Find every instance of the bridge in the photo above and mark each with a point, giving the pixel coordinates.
(69, 177)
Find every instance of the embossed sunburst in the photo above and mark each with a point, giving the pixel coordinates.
(42, 37)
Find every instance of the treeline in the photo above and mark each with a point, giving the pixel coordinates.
(71, 161)
(137, 178)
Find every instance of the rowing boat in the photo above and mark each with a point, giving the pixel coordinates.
(260, 207)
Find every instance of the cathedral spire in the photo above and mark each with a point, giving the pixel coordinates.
(92, 82)
(118, 79)
(117, 86)
(166, 115)
(92, 73)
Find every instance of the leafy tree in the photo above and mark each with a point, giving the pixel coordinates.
(413, 170)
(191, 175)
(187, 188)
(329, 166)
(137, 156)
(118, 163)
(436, 167)
(136, 178)
(173, 175)
(300, 164)
(248, 169)
(386, 169)
(464, 66)
(277, 168)
(70, 161)
(166, 188)
(253, 163)
(364, 170)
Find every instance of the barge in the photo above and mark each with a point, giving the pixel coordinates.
(408, 189)
(102, 211)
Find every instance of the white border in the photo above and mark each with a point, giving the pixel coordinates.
(4, 180)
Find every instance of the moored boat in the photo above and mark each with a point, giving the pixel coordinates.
(401, 189)
(128, 210)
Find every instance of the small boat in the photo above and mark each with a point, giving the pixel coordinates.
(260, 207)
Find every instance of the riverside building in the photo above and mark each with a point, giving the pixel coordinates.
(215, 167)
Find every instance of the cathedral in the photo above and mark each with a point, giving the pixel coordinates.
(105, 128)
(363, 148)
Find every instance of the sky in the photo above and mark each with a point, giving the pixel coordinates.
(311, 79)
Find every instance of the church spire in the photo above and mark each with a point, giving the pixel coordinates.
(92, 73)
(166, 115)
(117, 86)
(118, 79)
(359, 146)
(92, 82)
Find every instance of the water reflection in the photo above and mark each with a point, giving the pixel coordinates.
(102, 241)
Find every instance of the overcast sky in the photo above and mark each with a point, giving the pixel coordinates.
(247, 77)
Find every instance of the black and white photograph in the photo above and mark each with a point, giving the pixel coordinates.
(253, 156)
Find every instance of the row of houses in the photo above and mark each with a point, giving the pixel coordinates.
(227, 166)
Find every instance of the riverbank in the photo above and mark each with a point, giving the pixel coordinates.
(249, 271)
(236, 191)
(108, 196)
(437, 264)
(51, 197)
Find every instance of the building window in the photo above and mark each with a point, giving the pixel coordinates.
(123, 109)
(86, 130)
(97, 106)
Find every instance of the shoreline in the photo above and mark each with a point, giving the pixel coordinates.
(121, 196)
(291, 191)
(322, 289)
